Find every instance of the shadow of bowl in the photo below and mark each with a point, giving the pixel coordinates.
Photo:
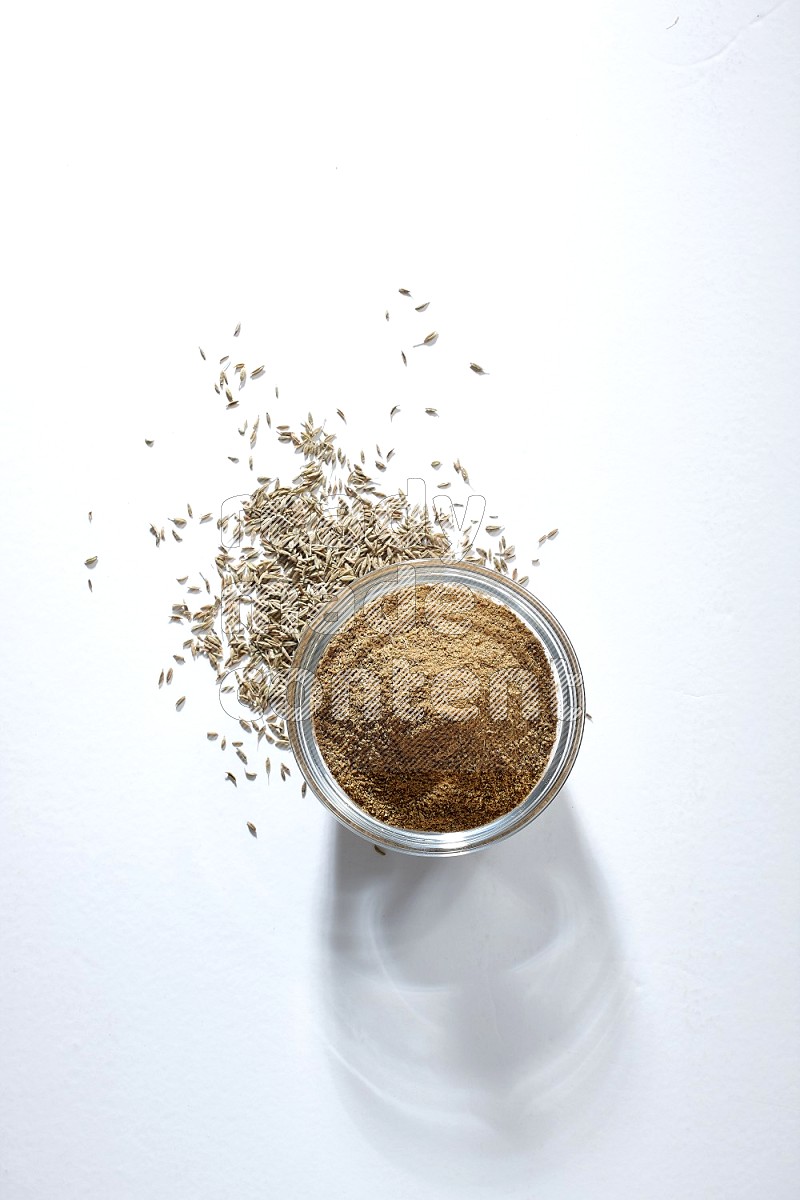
(470, 1004)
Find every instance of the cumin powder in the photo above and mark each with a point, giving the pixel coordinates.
(435, 708)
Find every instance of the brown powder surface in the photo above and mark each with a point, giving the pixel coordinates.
(435, 708)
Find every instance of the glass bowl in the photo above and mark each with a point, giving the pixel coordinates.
(569, 692)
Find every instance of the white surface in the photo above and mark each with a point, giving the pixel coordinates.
(603, 212)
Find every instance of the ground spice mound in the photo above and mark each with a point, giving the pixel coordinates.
(435, 708)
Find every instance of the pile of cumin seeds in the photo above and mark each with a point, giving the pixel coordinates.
(283, 554)
(291, 545)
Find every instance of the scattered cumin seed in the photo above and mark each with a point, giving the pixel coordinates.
(232, 459)
(177, 536)
(422, 307)
(212, 737)
(403, 356)
(477, 369)
(182, 579)
(202, 355)
(252, 829)
(91, 562)
(404, 291)
(387, 314)
(230, 775)
(444, 485)
(494, 528)
(180, 704)
(553, 533)
(169, 676)
(341, 415)
(223, 743)
(251, 775)
(90, 518)
(205, 517)
(436, 464)
(148, 441)
(236, 330)
(179, 521)
(432, 412)
(427, 341)
(179, 659)
(303, 788)
(394, 411)
(379, 850)
(285, 771)
(161, 679)
(91, 589)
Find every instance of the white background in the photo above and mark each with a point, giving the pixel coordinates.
(601, 205)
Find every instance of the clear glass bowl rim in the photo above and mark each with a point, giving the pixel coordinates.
(338, 610)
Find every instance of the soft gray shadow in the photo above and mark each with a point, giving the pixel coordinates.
(470, 1004)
